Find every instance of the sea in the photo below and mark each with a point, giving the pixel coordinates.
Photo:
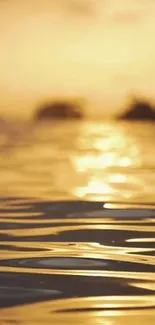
(77, 223)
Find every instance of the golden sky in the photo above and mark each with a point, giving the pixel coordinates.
(102, 50)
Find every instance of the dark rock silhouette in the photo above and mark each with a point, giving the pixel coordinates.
(59, 110)
(139, 110)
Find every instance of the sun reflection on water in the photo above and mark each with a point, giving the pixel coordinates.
(100, 161)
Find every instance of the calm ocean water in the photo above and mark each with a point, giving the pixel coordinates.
(77, 224)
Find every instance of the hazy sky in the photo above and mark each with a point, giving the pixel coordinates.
(99, 49)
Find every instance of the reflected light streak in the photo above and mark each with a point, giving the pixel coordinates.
(118, 178)
(105, 160)
(145, 285)
(54, 311)
(94, 187)
(128, 206)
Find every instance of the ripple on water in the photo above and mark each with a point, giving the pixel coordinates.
(91, 265)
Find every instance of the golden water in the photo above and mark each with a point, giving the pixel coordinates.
(77, 224)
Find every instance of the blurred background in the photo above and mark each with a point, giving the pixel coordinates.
(100, 50)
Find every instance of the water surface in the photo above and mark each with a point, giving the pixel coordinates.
(77, 224)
